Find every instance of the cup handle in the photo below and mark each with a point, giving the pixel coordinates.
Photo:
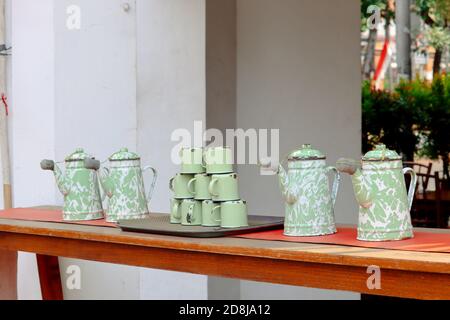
(336, 183)
(412, 185)
(171, 184)
(211, 187)
(152, 186)
(212, 212)
(190, 184)
(175, 208)
(190, 214)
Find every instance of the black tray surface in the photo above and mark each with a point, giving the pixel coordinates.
(160, 224)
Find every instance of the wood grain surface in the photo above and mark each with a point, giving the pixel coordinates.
(403, 274)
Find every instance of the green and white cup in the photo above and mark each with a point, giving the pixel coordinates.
(199, 187)
(179, 186)
(192, 161)
(175, 211)
(224, 187)
(191, 212)
(219, 160)
(210, 214)
(234, 214)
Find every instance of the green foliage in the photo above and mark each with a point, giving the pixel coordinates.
(391, 118)
(437, 121)
(435, 13)
(438, 37)
(414, 119)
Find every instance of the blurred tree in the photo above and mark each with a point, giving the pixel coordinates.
(437, 123)
(436, 15)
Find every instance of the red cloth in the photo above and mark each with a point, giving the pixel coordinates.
(44, 215)
(422, 241)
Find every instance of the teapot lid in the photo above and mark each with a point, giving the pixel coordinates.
(306, 152)
(78, 155)
(124, 154)
(381, 153)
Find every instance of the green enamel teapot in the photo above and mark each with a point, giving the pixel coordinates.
(306, 189)
(79, 186)
(380, 190)
(123, 183)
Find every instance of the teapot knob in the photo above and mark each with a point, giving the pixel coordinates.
(124, 150)
(91, 164)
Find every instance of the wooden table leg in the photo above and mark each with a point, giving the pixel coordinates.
(8, 275)
(49, 277)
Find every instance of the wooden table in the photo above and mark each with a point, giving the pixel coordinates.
(432, 196)
(403, 274)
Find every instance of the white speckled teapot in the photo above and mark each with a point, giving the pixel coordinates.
(124, 184)
(309, 200)
(380, 189)
(79, 185)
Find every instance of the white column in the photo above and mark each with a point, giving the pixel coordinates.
(171, 95)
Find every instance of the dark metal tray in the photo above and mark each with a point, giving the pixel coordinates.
(160, 224)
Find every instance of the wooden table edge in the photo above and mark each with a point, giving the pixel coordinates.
(174, 243)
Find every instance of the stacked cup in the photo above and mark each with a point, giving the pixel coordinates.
(206, 190)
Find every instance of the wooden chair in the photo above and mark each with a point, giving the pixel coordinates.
(428, 209)
(443, 185)
(423, 174)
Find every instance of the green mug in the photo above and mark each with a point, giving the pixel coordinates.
(218, 160)
(179, 186)
(234, 214)
(199, 187)
(192, 161)
(210, 214)
(175, 211)
(224, 187)
(191, 213)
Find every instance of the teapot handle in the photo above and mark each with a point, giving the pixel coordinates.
(412, 185)
(152, 187)
(336, 184)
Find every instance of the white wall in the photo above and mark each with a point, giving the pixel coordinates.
(298, 70)
(32, 122)
(171, 95)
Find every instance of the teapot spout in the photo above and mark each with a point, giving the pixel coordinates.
(284, 180)
(360, 185)
(60, 178)
(106, 181)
